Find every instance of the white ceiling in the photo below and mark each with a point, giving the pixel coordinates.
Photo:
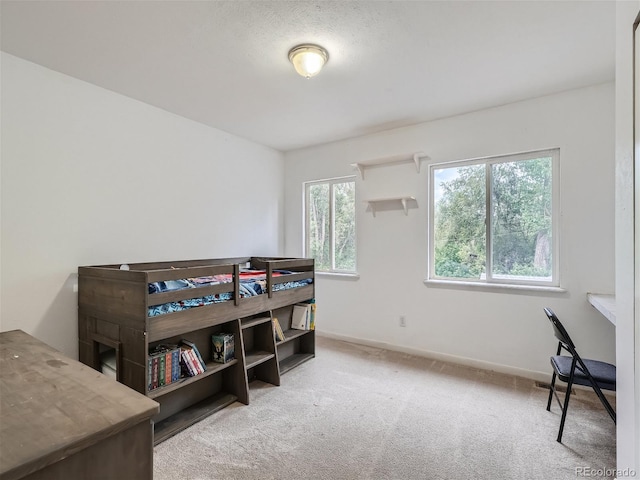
(392, 63)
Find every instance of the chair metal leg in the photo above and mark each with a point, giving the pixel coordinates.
(603, 400)
(598, 390)
(565, 408)
(551, 390)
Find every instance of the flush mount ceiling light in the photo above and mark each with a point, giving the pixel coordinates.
(308, 59)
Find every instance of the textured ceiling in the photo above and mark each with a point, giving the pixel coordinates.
(392, 63)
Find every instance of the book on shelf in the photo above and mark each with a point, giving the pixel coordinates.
(277, 328)
(190, 368)
(163, 364)
(176, 372)
(161, 372)
(312, 314)
(168, 366)
(185, 368)
(150, 371)
(154, 370)
(149, 374)
(300, 316)
(196, 351)
(194, 358)
(223, 348)
(304, 315)
(196, 361)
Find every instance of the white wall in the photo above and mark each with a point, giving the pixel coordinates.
(92, 177)
(628, 354)
(504, 330)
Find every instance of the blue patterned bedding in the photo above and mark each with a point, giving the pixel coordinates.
(249, 287)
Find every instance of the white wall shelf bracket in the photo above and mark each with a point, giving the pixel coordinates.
(404, 205)
(416, 160)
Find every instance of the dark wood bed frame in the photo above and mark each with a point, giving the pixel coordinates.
(113, 314)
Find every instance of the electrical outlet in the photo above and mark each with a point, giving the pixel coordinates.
(403, 321)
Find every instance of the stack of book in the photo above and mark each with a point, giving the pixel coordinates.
(169, 363)
(163, 366)
(191, 360)
(304, 316)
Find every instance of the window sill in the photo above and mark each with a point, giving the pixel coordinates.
(338, 275)
(492, 286)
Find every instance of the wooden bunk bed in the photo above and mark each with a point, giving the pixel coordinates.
(128, 310)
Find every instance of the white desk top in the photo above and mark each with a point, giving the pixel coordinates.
(605, 304)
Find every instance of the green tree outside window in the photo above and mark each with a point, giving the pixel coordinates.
(331, 226)
(517, 241)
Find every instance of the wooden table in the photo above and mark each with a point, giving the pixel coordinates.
(60, 419)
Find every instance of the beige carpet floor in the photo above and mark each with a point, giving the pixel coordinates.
(357, 412)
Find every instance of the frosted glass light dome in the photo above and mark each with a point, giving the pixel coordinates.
(308, 59)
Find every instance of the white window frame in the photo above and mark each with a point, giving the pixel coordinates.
(490, 280)
(330, 182)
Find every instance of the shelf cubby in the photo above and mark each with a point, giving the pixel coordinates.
(297, 347)
(212, 369)
(259, 349)
(292, 334)
(254, 358)
(292, 361)
(188, 416)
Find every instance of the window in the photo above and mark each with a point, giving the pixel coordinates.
(493, 220)
(330, 224)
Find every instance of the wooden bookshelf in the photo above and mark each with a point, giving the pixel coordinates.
(297, 347)
(113, 314)
(292, 361)
(188, 416)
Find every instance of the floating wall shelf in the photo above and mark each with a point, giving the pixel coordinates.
(391, 203)
(393, 160)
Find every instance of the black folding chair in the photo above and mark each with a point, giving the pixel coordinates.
(575, 370)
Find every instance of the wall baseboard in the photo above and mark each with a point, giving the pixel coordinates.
(543, 377)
